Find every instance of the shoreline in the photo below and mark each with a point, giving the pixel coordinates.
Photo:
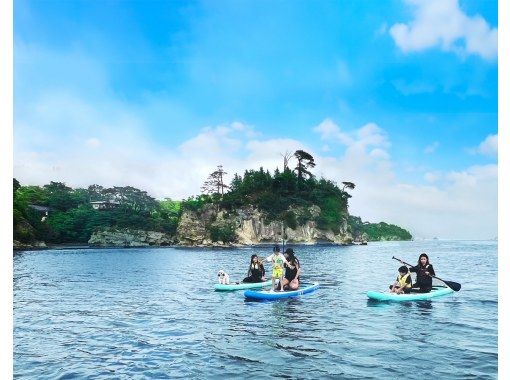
(177, 246)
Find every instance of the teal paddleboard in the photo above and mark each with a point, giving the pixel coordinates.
(437, 291)
(266, 295)
(241, 286)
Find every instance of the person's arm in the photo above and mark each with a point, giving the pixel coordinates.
(413, 269)
(262, 270)
(286, 262)
(394, 286)
(269, 258)
(430, 270)
(249, 272)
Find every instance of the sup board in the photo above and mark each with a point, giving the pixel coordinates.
(274, 295)
(437, 291)
(241, 286)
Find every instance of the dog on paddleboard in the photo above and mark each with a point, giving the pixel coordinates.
(223, 277)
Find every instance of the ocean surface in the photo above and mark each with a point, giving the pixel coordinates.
(153, 313)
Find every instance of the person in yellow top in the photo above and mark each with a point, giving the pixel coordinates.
(403, 282)
(277, 259)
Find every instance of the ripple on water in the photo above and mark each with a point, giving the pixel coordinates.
(153, 313)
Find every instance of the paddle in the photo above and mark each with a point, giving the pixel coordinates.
(455, 286)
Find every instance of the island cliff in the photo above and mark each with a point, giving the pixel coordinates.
(255, 208)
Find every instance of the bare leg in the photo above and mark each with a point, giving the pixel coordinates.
(294, 284)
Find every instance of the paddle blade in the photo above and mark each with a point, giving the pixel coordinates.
(454, 285)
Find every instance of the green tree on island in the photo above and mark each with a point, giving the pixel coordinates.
(305, 161)
(287, 196)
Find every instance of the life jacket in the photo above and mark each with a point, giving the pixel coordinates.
(401, 281)
(277, 262)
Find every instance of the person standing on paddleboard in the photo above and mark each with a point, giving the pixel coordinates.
(423, 272)
(277, 259)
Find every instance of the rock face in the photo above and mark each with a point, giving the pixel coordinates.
(17, 245)
(116, 237)
(244, 226)
(250, 227)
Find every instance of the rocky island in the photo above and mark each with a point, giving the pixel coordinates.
(255, 208)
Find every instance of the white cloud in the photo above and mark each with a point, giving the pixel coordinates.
(379, 154)
(488, 147)
(371, 134)
(459, 205)
(432, 176)
(429, 149)
(441, 23)
(330, 131)
(368, 135)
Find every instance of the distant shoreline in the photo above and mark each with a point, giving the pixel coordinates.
(87, 246)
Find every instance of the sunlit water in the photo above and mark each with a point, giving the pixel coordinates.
(153, 313)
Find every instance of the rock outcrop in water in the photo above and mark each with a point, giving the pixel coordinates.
(20, 246)
(249, 226)
(246, 226)
(123, 237)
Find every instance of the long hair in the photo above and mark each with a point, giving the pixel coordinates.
(259, 263)
(419, 258)
(291, 257)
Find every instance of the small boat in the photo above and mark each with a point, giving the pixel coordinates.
(266, 295)
(241, 286)
(437, 291)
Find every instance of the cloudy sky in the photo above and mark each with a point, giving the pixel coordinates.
(399, 97)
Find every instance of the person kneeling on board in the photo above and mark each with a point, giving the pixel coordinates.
(292, 272)
(403, 282)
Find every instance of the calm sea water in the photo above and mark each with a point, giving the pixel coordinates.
(152, 313)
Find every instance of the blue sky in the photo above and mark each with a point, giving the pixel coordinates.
(109, 81)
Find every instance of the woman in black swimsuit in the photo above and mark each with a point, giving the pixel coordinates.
(291, 279)
(256, 272)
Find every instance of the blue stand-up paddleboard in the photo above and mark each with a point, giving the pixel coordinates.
(241, 286)
(267, 295)
(437, 291)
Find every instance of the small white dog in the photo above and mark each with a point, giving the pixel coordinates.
(223, 277)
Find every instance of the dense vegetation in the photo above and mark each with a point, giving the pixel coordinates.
(376, 231)
(71, 217)
(283, 196)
